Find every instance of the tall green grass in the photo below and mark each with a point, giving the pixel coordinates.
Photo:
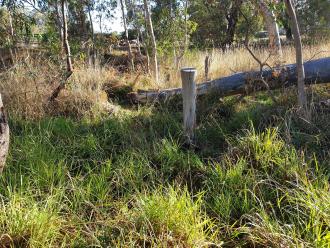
(127, 180)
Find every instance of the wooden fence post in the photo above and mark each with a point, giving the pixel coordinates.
(188, 76)
(207, 67)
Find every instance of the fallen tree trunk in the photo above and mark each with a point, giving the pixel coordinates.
(4, 136)
(317, 71)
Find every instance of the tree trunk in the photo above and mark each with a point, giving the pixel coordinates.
(12, 37)
(302, 99)
(232, 19)
(145, 45)
(186, 36)
(272, 28)
(129, 48)
(12, 33)
(317, 71)
(139, 44)
(153, 40)
(66, 39)
(93, 38)
(66, 45)
(59, 21)
(137, 27)
(4, 136)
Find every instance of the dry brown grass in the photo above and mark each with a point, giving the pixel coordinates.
(225, 64)
(27, 86)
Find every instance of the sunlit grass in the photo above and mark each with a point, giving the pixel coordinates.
(258, 175)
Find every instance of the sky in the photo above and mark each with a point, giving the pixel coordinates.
(113, 25)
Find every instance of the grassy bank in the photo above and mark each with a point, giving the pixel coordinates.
(89, 172)
(259, 176)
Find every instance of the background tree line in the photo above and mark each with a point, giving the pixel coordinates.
(177, 24)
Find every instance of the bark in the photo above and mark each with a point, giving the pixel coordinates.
(272, 28)
(11, 27)
(4, 136)
(66, 39)
(138, 43)
(66, 45)
(12, 37)
(100, 20)
(232, 19)
(317, 71)
(186, 36)
(59, 21)
(153, 40)
(302, 99)
(129, 48)
(145, 45)
(93, 37)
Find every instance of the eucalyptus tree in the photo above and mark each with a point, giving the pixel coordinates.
(149, 24)
(173, 27)
(128, 44)
(66, 45)
(272, 27)
(302, 99)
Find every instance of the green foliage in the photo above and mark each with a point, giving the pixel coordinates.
(51, 40)
(169, 217)
(314, 18)
(24, 222)
(171, 25)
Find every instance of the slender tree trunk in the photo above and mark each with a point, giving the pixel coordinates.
(153, 40)
(93, 38)
(13, 38)
(137, 27)
(129, 48)
(59, 21)
(145, 44)
(66, 39)
(302, 98)
(12, 33)
(186, 37)
(232, 19)
(66, 45)
(100, 19)
(139, 44)
(272, 28)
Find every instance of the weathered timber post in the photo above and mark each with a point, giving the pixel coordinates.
(207, 67)
(188, 76)
(4, 136)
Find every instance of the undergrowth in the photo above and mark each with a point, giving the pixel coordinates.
(258, 177)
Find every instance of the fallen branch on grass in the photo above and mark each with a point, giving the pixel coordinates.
(317, 71)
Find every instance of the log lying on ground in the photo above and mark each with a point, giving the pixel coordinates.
(4, 136)
(317, 72)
